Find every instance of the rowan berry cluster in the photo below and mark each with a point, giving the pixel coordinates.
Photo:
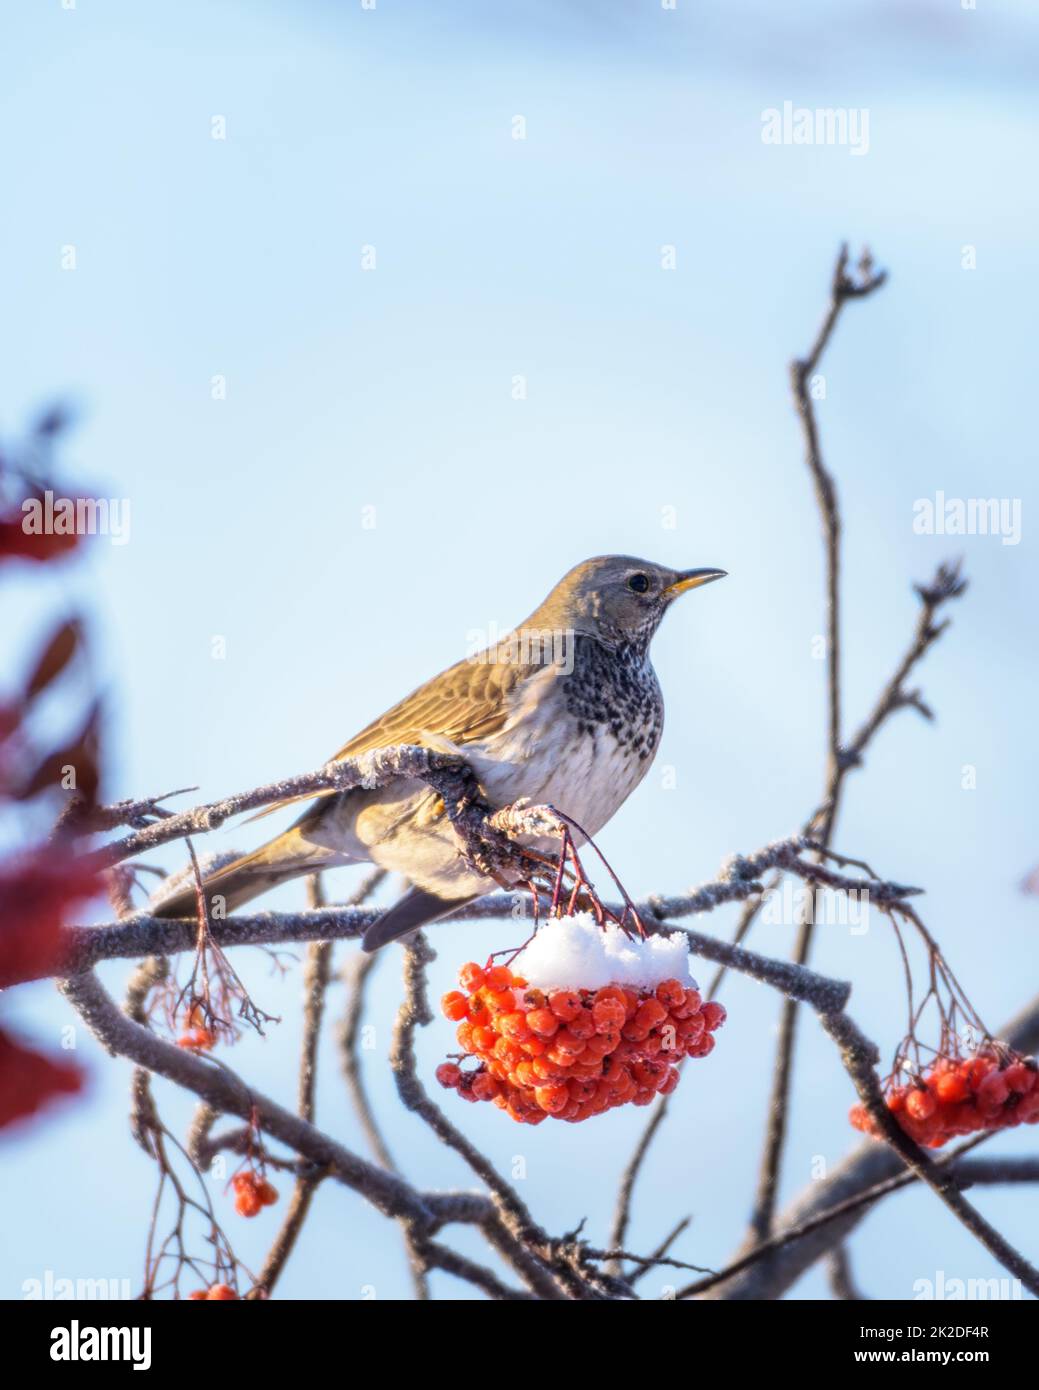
(252, 1193)
(196, 1035)
(988, 1089)
(216, 1293)
(571, 1053)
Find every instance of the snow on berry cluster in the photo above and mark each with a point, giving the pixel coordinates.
(961, 1095)
(582, 1022)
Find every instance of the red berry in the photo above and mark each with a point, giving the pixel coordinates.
(993, 1091)
(668, 1081)
(920, 1104)
(671, 994)
(713, 1016)
(951, 1087)
(485, 1087)
(649, 1013)
(219, 1293)
(1020, 1078)
(448, 1074)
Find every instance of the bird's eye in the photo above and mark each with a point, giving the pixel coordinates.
(638, 583)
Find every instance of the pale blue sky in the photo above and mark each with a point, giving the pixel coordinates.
(647, 390)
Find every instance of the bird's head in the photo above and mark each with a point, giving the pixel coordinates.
(617, 598)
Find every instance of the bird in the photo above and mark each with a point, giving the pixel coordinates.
(564, 710)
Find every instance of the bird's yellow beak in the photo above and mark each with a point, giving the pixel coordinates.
(692, 579)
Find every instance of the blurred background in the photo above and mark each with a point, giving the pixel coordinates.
(373, 373)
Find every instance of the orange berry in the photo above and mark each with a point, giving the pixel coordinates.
(543, 1022)
(564, 1041)
(552, 1098)
(247, 1204)
(471, 977)
(609, 992)
(499, 977)
(501, 1001)
(514, 1026)
(525, 1074)
(565, 1004)
(582, 1025)
(267, 1193)
(455, 1006)
(219, 1293)
(509, 1052)
(197, 1294)
(608, 1014)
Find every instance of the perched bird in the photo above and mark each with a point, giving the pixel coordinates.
(565, 709)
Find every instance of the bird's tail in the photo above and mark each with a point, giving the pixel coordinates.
(285, 857)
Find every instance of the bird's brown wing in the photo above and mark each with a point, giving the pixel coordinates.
(468, 701)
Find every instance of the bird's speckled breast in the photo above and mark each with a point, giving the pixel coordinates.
(582, 740)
